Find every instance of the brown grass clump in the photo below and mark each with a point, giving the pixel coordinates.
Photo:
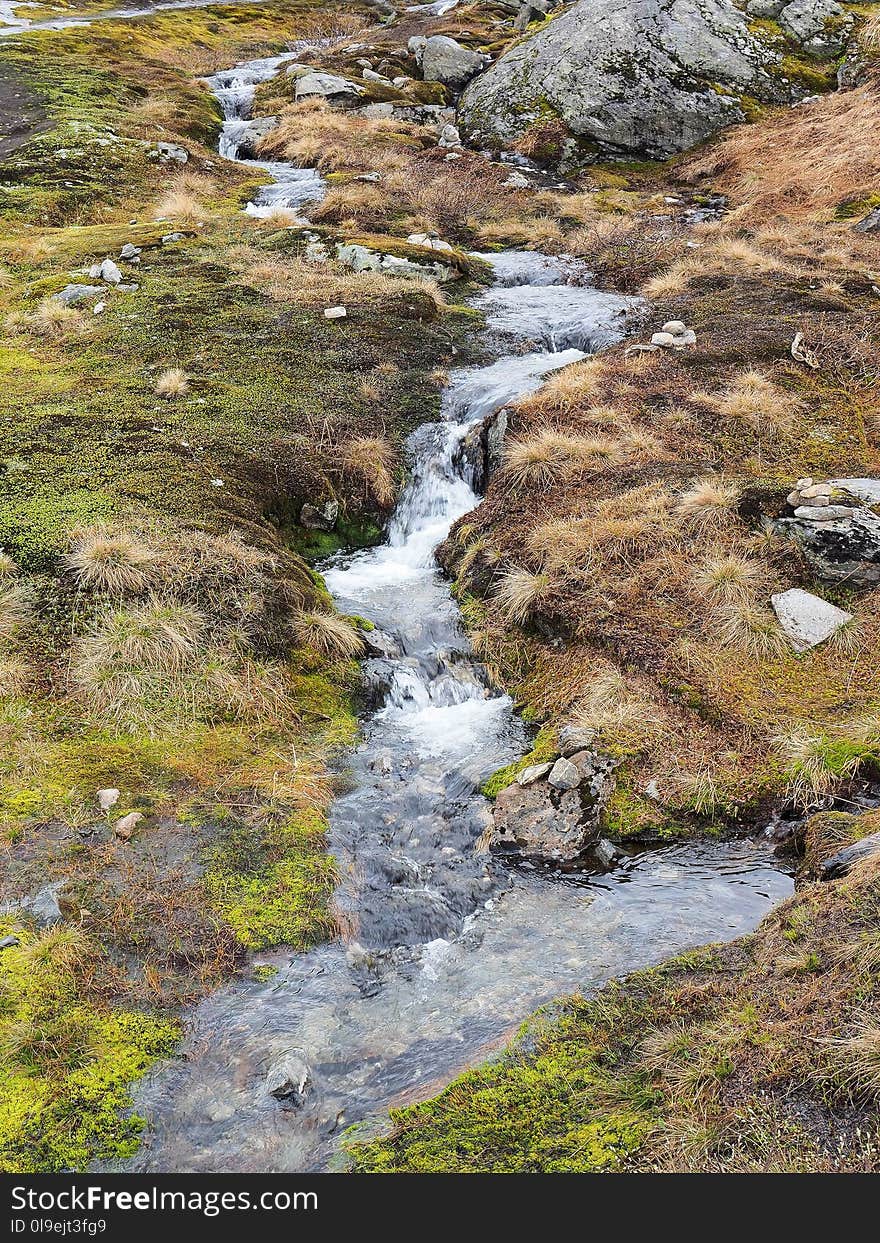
(172, 383)
(329, 634)
(179, 205)
(810, 159)
(16, 608)
(518, 593)
(752, 398)
(726, 576)
(354, 206)
(372, 460)
(708, 502)
(540, 459)
(104, 560)
(751, 628)
(53, 319)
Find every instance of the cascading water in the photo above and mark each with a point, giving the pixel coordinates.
(447, 952)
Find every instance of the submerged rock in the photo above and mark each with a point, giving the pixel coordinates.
(250, 138)
(289, 1079)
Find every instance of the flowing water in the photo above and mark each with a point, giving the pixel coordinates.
(448, 951)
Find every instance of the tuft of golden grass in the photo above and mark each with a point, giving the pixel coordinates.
(742, 623)
(812, 774)
(725, 576)
(172, 383)
(53, 319)
(538, 460)
(8, 568)
(567, 388)
(857, 1057)
(708, 502)
(179, 205)
(329, 634)
(16, 608)
(518, 594)
(111, 561)
(614, 712)
(752, 398)
(372, 459)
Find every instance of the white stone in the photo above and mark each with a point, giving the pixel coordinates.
(533, 773)
(99, 308)
(807, 619)
(664, 339)
(824, 512)
(335, 312)
(107, 798)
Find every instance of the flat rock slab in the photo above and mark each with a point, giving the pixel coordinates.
(866, 490)
(808, 620)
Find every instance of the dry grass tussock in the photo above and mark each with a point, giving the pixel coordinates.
(566, 389)
(372, 459)
(355, 206)
(709, 502)
(53, 320)
(548, 455)
(111, 561)
(16, 607)
(181, 202)
(752, 398)
(810, 159)
(518, 593)
(171, 383)
(616, 713)
(329, 634)
(814, 770)
(313, 134)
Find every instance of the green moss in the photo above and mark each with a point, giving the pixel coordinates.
(544, 748)
(272, 883)
(66, 1062)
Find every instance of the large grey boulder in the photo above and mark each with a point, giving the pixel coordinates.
(327, 86)
(444, 60)
(652, 77)
(253, 134)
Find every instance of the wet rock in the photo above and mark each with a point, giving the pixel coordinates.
(327, 86)
(564, 775)
(806, 619)
(636, 76)
(43, 907)
(290, 1078)
(839, 864)
(606, 853)
(533, 773)
(319, 517)
(544, 822)
(444, 60)
(72, 295)
(378, 643)
(251, 137)
(845, 549)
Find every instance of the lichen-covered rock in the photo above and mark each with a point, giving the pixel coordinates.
(652, 77)
(327, 86)
(821, 26)
(444, 60)
(845, 549)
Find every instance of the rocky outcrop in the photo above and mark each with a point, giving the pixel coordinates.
(840, 539)
(652, 77)
(552, 810)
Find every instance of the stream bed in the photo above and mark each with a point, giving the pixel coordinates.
(446, 950)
